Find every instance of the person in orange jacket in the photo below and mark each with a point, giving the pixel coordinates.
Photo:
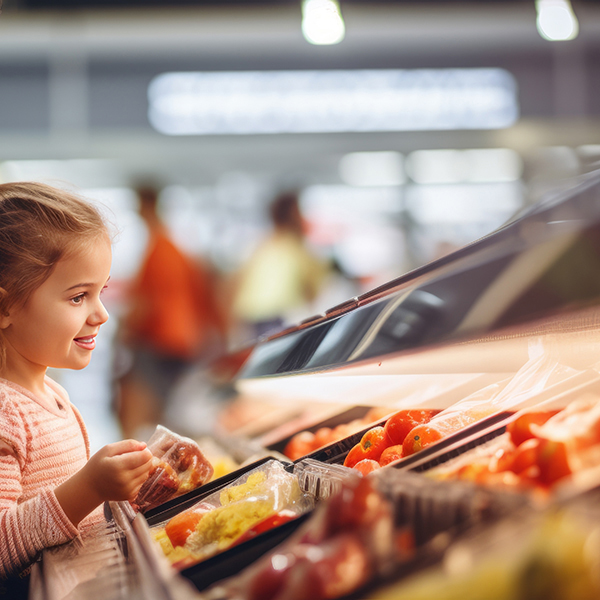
(171, 322)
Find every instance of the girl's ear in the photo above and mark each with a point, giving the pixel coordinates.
(5, 319)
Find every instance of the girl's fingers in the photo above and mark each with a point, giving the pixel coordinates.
(141, 471)
(133, 460)
(125, 447)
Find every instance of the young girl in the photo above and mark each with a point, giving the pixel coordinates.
(55, 257)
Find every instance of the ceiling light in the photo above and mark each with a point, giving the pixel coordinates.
(258, 102)
(556, 20)
(322, 22)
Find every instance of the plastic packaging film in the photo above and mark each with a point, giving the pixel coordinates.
(178, 466)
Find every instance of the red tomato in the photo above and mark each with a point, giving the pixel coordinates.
(343, 567)
(374, 442)
(371, 445)
(341, 431)
(301, 444)
(179, 528)
(267, 581)
(520, 428)
(418, 438)
(366, 466)
(355, 455)
(376, 413)
(358, 505)
(473, 472)
(552, 461)
(323, 436)
(391, 454)
(400, 423)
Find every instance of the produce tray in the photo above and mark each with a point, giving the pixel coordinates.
(335, 452)
(457, 443)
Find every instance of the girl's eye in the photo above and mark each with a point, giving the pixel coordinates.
(78, 299)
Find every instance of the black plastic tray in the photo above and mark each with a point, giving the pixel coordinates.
(458, 443)
(473, 435)
(233, 560)
(355, 412)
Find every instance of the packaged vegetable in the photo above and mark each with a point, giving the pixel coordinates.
(178, 466)
(259, 500)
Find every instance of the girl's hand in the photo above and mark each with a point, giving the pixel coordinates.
(115, 472)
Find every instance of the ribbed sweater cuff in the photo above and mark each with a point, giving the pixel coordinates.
(61, 529)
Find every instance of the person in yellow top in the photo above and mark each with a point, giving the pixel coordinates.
(282, 276)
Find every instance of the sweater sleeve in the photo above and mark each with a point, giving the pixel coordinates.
(27, 527)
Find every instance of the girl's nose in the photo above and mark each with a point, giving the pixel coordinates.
(99, 315)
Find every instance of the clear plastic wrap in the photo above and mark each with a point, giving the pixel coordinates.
(259, 500)
(178, 466)
(540, 372)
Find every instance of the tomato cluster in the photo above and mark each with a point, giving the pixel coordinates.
(527, 457)
(381, 445)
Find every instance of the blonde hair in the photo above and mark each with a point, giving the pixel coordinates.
(39, 225)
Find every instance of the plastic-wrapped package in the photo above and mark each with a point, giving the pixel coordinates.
(259, 500)
(178, 466)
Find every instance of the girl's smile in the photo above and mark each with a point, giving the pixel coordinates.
(88, 343)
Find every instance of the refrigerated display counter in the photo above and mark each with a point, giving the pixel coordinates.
(500, 329)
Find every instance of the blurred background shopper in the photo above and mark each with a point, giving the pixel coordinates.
(281, 277)
(170, 323)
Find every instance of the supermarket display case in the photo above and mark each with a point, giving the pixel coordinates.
(517, 312)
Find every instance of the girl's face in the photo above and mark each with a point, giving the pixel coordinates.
(58, 325)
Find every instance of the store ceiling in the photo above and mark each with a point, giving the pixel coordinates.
(73, 84)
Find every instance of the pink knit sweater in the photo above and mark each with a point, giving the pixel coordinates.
(41, 446)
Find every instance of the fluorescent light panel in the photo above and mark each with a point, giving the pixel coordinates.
(365, 169)
(271, 102)
(469, 166)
